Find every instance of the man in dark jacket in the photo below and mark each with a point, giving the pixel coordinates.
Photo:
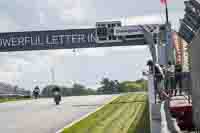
(178, 77)
(158, 79)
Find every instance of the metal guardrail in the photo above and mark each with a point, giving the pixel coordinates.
(168, 124)
(164, 125)
(13, 95)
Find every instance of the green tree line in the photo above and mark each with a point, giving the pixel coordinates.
(113, 86)
(107, 87)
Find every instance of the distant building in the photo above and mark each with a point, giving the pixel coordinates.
(181, 51)
(191, 21)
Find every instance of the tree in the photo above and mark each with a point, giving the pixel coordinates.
(75, 90)
(132, 86)
(91, 91)
(47, 91)
(143, 84)
(78, 89)
(66, 91)
(105, 82)
(117, 86)
(106, 86)
(109, 86)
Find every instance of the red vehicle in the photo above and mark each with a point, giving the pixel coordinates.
(181, 109)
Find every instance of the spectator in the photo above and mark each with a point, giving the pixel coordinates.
(170, 71)
(159, 78)
(165, 81)
(178, 77)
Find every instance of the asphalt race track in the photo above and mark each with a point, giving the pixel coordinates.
(43, 116)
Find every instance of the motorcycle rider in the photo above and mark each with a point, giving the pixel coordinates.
(36, 92)
(56, 93)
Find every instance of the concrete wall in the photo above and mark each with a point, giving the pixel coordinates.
(195, 76)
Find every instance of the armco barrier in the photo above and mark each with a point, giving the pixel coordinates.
(14, 96)
(171, 122)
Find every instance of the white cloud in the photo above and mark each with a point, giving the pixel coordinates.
(75, 12)
(147, 19)
(42, 18)
(95, 52)
(7, 24)
(125, 49)
(8, 77)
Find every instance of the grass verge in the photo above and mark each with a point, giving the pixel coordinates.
(3, 100)
(126, 114)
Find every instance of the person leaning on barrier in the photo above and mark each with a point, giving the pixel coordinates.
(159, 78)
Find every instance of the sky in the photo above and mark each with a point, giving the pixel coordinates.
(86, 66)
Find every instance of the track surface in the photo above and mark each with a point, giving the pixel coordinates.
(43, 116)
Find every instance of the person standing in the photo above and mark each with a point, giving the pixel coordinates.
(170, 75)
(178, 77)
(158, 79)
(165, 81)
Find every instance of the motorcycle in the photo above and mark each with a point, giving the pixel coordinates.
(57, 97)
(36, 94)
